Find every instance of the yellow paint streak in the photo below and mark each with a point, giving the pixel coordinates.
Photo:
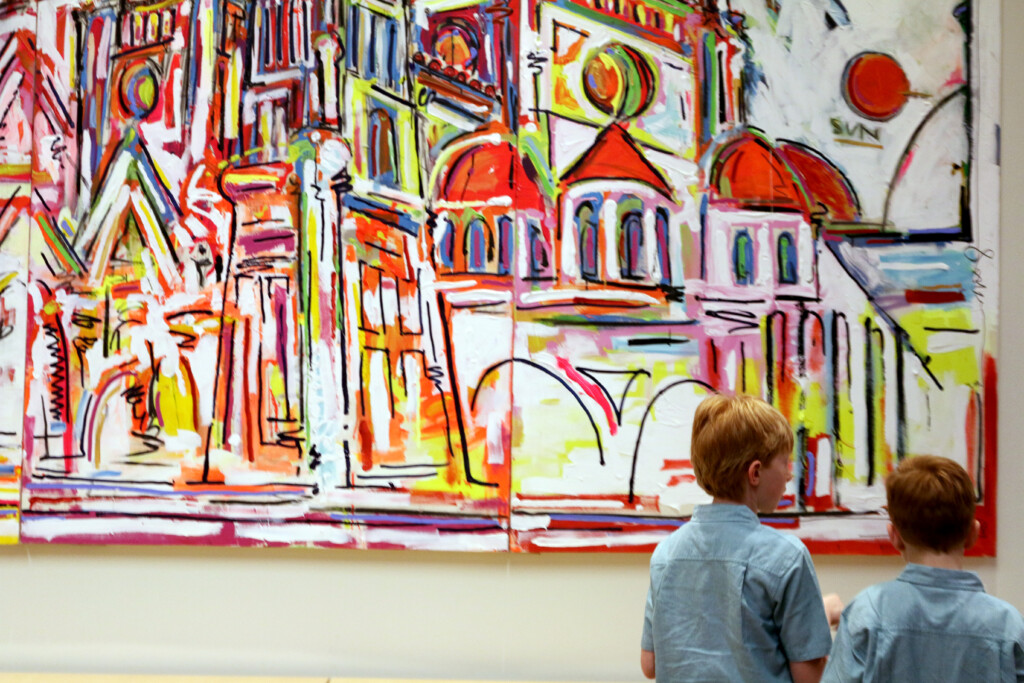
(7, 279)
(277, 387)
(564, 97)
(176, 404)
(406, 151)
(233, 96)
(956, 366)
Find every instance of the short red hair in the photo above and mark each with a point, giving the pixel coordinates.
(731, 432)
(931, 502)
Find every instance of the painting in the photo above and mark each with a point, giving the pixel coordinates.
(454, 274)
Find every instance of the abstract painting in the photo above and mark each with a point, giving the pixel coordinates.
(454, 275)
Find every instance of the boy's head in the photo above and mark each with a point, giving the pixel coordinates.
(931, 503)
(729, 434)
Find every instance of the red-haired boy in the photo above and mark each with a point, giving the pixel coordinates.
(935, 622)
(730, 599)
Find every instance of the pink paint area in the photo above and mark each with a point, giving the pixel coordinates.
(591, 390)
(907, 160)
(955, 79)
(268, 241)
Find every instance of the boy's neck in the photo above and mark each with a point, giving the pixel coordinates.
(752, 504)
(954, 559)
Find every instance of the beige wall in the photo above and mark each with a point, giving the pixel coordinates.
(433, 615)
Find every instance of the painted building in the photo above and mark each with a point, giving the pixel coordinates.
(468, 265)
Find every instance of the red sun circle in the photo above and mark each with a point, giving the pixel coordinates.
(875, 86)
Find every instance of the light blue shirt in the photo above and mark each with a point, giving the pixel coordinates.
(732, 600)
(928, 625)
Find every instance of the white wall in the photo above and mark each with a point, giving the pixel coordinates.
(432, 615)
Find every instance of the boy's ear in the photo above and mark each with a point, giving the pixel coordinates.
(972, 534)
(895, 538)
(754, 473)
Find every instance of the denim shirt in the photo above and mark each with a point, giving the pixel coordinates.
(928, 625)
(732, 600)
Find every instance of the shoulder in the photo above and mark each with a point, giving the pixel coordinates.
(778, 552)
(1001, 618)
(669, 546)
(863, 611)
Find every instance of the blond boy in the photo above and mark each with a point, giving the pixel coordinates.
(935, 622)
(730, 599)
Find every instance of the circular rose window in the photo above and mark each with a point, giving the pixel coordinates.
(139, 89)
(618, 80)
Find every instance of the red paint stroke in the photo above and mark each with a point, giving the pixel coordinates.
(592, 390)
(986, 509)
(676, 464)
(933, 296)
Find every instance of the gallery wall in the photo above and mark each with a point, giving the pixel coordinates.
(432, 615)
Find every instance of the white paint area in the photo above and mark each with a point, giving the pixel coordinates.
(802, 62)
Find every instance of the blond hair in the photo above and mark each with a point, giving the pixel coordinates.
(730, 433)
(931, 502)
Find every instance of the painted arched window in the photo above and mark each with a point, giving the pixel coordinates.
(506, 237)
(456, 44)
(743, 258)
(479, 246)
(586, 233)
(539, 262)
(631, 239)
(446, 244)
(383, 165)
(662, 238)
(787, 260)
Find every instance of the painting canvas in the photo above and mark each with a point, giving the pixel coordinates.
(454, 275)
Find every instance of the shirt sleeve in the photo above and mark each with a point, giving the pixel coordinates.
(800, 613)
(1018, 652)
(647, 639)
(849, 651)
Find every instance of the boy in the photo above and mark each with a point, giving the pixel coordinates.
(935, 622)
(730, 599)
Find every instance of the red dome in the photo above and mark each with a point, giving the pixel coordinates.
(486, 171)
(824, 184)
(752, 172)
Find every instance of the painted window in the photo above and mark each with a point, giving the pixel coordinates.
(267, 135)
(743, 258)
(586, 232)
(383, 166)
(479, 246)
(446, 244)
(387, 68)
(632, 264)
(353, 39)
(723, 85)
(540, 264)
(506, 237)
(456, 44)
(281, 33)
(374, 48)
(142, 26)
(661, 235)
(787, 260)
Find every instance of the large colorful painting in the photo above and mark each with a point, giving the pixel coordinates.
(454, 275)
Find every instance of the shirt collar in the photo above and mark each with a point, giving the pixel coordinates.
(955, 579)
(724, 512)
